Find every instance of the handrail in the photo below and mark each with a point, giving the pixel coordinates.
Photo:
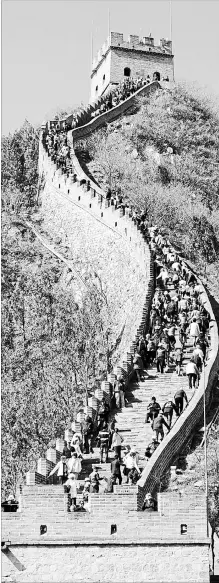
(181, 430)
(114, 112)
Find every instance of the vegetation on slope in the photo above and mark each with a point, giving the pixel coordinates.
(53, 349)
(191, 476)
(179, 192)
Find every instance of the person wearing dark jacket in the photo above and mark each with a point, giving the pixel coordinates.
(87, 432)
(152, 410)
(179, 396)
(158, 424)
(168, 409)
(160, 358)
(66, 450)
(116, 469)
(151, 448)
(103, 412)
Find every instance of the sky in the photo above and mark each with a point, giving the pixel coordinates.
(46, 48)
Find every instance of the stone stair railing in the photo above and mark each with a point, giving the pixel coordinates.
(111, 115)
(191, 416)
(84, 117)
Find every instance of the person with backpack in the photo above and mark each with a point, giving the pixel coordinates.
(160, 358)
(152, 410)
(168, 409)
(103, 438)
(179, 398)
(157, 426)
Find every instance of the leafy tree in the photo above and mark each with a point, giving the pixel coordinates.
(20, 168)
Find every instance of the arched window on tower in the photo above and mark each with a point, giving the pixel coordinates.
(156, 76)
(127, 72)
(104, 78)
(96, 88)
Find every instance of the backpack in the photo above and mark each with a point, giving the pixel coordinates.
(88, 427)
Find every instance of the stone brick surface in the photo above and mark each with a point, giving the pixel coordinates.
(95, 246)
(106, 563)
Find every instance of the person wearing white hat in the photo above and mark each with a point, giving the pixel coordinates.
(71, 485)
(149, 503)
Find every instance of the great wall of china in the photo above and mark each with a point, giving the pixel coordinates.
(170, 544)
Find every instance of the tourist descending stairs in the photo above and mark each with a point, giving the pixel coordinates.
(130, 420)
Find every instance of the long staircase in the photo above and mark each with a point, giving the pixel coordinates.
(130, 420)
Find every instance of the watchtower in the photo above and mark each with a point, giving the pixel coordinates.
(137, 57)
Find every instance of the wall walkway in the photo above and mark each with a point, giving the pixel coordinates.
(174, 555)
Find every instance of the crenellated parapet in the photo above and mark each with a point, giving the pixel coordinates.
(143, 44)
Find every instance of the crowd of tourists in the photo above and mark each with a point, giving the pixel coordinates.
(56, 144)
(107, 437)
(122, 91)
(177, 314)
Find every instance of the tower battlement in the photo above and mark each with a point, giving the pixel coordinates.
(134, 57)
(143, 44)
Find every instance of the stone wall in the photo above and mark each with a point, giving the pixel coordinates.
(101, 78)
(140, 64)
(49, 505)
(156, 562)
(103, 242)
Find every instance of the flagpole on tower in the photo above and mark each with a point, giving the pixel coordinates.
(109, 24)
(92, 44)
(171, 31)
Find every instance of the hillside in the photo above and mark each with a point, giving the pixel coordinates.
(51, 345)
(167, 151)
